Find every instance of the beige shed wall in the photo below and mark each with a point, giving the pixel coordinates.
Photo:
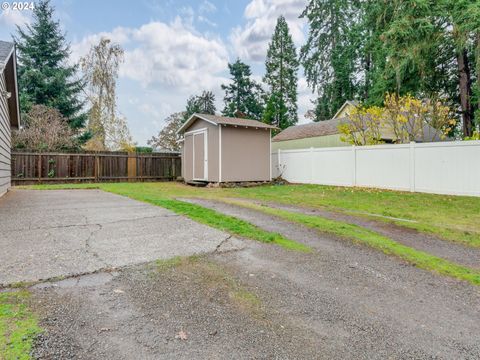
(245, 154)
(187, 155)
(5, 144)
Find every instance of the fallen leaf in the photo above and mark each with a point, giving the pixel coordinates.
(182, 335)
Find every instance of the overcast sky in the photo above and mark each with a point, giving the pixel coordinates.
(173, 49)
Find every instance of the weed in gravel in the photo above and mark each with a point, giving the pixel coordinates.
(212, 276)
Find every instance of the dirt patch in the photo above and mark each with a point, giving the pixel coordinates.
(182, 309)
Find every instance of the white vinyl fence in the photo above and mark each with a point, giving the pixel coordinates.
(440, 168)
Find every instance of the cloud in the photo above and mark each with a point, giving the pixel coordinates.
(206, 7)
(164, 64)
(172, 56)
(250, 41)
(9, 19)
(207, 21)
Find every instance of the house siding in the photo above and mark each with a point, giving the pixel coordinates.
(315, 142)
(347, 110)
(5, 143)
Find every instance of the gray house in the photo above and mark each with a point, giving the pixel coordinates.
(225, 149)
(9, 109)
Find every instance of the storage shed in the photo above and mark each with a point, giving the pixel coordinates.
(9, 110)
(225, 149)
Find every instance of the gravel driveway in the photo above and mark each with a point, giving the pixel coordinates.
(46, 234)
(259, 301)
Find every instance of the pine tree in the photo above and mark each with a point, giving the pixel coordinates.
(281, 77)
(330, 53)
(243, 96)
(191, 108)
(45, 78)
(203, 103)
(206, 103)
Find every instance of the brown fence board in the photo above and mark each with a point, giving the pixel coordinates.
(34, 168)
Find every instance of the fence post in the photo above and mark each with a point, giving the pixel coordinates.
(96, 168)
(132, 166)
(279, 163)
(40, 167)
(174, 172)
(311, 165)
(354, 165)
(412, 166)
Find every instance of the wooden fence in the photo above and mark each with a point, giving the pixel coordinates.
(32, 167)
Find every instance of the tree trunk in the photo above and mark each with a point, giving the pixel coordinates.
(464, 78)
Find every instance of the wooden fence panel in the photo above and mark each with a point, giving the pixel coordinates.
(32, 168)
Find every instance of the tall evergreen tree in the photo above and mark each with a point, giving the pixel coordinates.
(191, 108)
(206, 103)
(203, 103)
(330, 53)
(281, 77)
(45, 77)
(243, 96)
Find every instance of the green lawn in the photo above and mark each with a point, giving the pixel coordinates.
(18, 326)
(454, 218)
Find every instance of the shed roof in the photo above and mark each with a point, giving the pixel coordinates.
(225, 120)
(321, 128)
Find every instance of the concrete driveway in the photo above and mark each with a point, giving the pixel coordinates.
(46, 234)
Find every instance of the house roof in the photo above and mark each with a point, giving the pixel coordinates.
(224, 120)
(330, 127)
(6, 50)
(345, 104)
(321, 128)
(8, 66)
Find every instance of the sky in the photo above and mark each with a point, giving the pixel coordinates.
(173, 49)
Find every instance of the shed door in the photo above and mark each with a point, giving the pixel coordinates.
(200, 156)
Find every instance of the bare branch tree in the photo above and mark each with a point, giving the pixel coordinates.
(45, 130)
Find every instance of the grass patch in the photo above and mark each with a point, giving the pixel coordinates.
(18, 326)
(227, 223)
(453, 218)
(359, 234)
(212, 277)
(167, 264)
(176, 261)
(215, 276)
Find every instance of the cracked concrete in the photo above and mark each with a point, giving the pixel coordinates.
(63, 233)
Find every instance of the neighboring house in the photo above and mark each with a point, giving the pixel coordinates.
(326, 133)
(225, 149)
(345, 109)
(9, 109)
